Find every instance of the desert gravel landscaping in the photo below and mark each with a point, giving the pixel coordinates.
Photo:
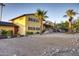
(56, 44)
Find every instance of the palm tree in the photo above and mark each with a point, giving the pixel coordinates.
(41, 14)
(70, 13)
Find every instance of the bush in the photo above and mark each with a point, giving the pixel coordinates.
(9, 33)
(6, 33)
(29, 33)
(37, 33)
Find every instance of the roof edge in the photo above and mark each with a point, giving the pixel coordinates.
(21, 16)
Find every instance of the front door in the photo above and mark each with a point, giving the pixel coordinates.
(15, 30)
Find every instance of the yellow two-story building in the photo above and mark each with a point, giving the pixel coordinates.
(28, 23)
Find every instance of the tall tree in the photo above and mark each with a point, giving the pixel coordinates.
(70, 13)
(41, 14)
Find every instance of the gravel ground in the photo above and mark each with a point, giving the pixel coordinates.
(56, 44)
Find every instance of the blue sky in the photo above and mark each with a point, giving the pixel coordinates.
(55, 10)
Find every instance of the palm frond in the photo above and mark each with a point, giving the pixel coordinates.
(71, 13)
(65, 16)
(42, 13)
(46, 16)
(45, 12)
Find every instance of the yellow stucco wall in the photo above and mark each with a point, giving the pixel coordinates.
(32, 24)
(21, 23)
(7, 28)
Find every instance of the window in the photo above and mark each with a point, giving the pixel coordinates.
(33, 20)
(37, 28)
(33, 28)
(30, 19)
(29, 28)
(37, 20)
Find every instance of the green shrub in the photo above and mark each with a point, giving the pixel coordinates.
(4, 32)
(37, 33)
(29, 33)
(9, 33)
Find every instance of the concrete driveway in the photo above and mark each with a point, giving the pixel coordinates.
(37, 45)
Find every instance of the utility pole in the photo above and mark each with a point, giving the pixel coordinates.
(1, 10)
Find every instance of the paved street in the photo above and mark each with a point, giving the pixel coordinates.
(56, 44)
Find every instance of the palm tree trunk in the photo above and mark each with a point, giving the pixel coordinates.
(70, 24)
(70, 27)
(41, 26)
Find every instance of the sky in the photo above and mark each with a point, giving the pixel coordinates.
(55, 11)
